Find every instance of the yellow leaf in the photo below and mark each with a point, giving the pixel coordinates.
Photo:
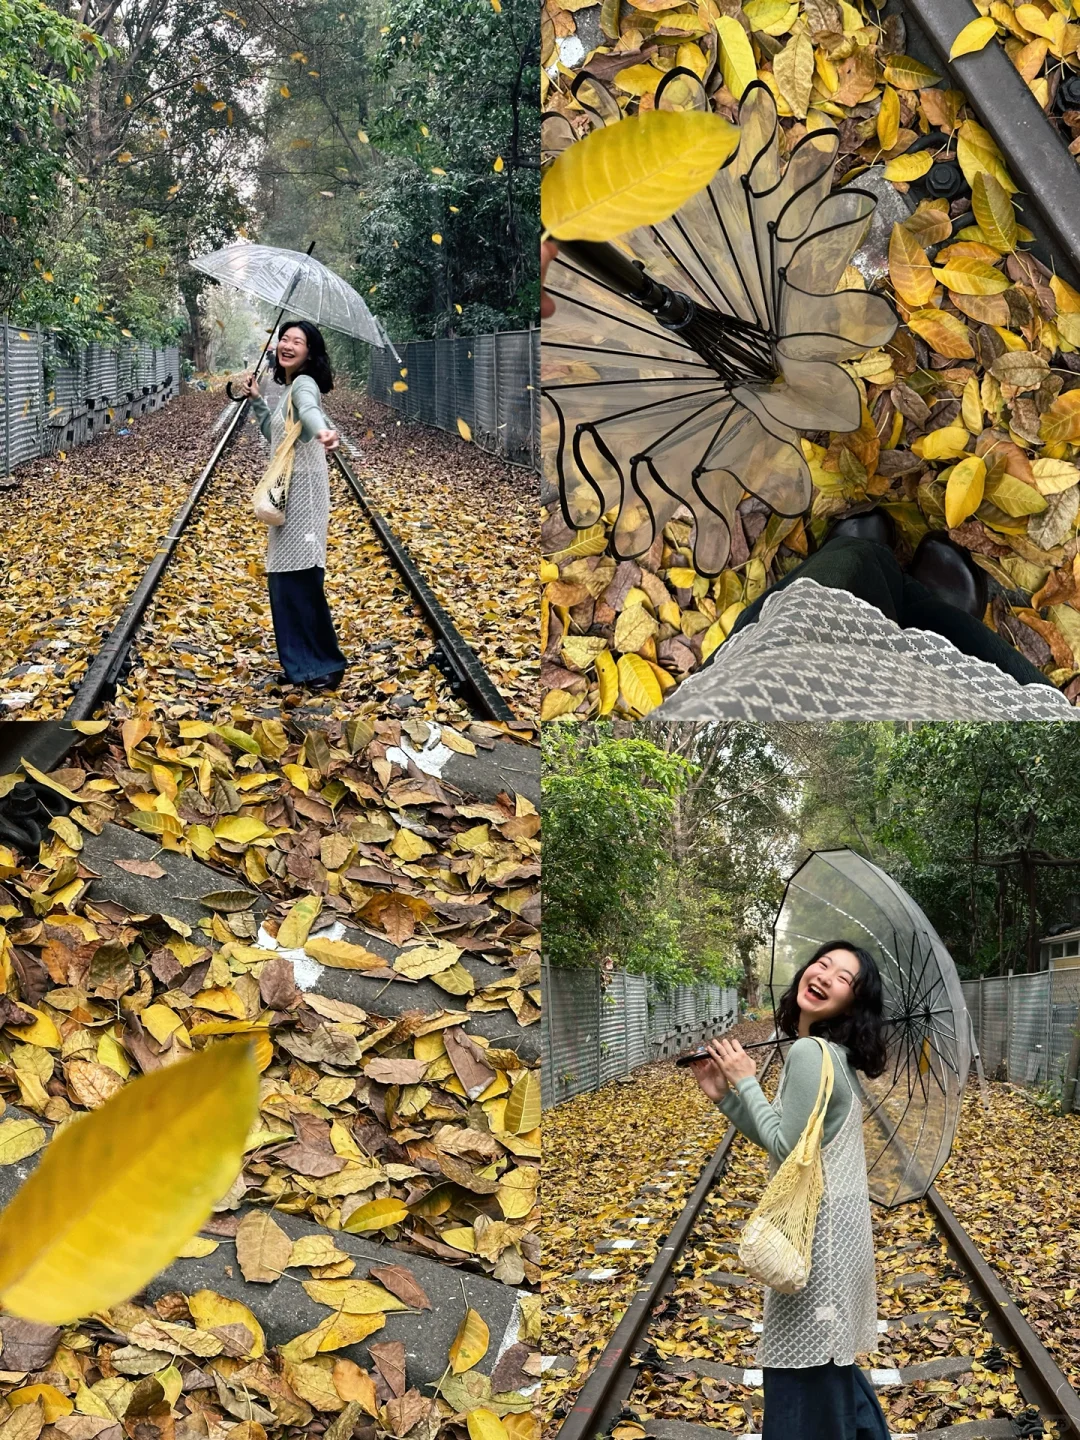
(608, 676)
(499, 165)
(53, 1402)
(909, 269)
(353, 1297)
(1068, 299)
(888, 120)
(994, 211)
(18, 1139)
(948, 443)
(909, 167)
(736, 55)
(400, 386)
(1061, 420)
(1053, 476)
(964, 490)
(485, 1425)
(968, 276)
(119, 1190)
(635, 173)
(377, 1215)
(41, 1031)
(297, 924)
(436, 238)
(1015, 496)
(523, 1106)
(470, 1343)
(971, 409)
(945, 333)
(640, 687)
(343, 955)
(464, 429)
(284, 91)
(974, 36)
(240, 829)
(209, 1310)
(976, 152)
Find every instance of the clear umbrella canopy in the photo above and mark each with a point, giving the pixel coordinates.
(912, 1110)
(295, 282)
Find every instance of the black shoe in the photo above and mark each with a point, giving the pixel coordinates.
(325, 682)
(947, 571)
(872, 524)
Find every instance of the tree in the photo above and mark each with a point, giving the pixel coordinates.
(44, 56)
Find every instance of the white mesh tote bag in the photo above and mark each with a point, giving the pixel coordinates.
(272, 492)
(778, 1240)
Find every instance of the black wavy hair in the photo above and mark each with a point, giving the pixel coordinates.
(861, 1027)
(317, 364)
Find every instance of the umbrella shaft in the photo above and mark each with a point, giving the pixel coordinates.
(611, 267)
(281, 313)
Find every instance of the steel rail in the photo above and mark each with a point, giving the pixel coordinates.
(105, 668)
(101, 677)
(600, 1398)
(611, 1381)
(462, 658)
(1035, 154)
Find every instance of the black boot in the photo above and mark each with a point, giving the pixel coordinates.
(871, 524)
(947, 571)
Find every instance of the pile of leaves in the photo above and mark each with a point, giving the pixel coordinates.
(1042, 44)
(79, 530)
(1023, 1217)
(401, 1128)
(469, 520)
(599, 1150)
(971, 417)
(207, 640)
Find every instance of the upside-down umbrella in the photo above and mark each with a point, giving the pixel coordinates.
(686, 378)
(913, 1108)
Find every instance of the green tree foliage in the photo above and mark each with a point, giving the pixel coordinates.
(664, 850)
(401, 121)
(44, 56)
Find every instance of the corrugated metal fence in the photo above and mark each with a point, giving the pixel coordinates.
(1024, 1025)
(50, 401)
(489, 381)
(596, 1028)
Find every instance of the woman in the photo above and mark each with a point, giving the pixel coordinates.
(296, 551)
(813, 1388)
(850, 635)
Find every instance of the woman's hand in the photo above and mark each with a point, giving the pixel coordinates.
(548, 251)
(709, 1076)
(733, 1060)
(251, 386)
(328, 439)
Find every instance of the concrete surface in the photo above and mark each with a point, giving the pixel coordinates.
(185, 880)
(285, 1310)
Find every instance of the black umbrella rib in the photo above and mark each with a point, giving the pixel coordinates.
(633, 380)
(770, 319)
(629, 355)
(640, 410)
(690, 245)
(671, 336)
(732, 253)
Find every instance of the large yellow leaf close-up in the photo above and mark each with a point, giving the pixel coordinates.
(964, 489)
(120, 1190)
(635, 173)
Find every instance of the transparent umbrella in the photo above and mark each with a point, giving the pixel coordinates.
(682, 363)
(296, 282)
(913, 1108)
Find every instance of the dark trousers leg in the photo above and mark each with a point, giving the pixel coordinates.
(872, 572)
(822, 1402)
(303, 627)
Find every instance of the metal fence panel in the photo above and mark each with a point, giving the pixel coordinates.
(487, 381)
(596, 1029)
(1029, 1029)
(53, 401)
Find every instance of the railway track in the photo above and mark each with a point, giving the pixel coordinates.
(467, 679)
(956, 1360)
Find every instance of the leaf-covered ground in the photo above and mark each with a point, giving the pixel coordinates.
(77, 533)
(82, 529)
(1011, 1181)
(365, 1120)
(471, 523)
(971, 420)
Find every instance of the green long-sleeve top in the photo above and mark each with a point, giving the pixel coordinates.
(306, 409)
(752, 1115)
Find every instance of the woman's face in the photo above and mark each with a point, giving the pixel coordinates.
(827, 987)
(292, 348)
